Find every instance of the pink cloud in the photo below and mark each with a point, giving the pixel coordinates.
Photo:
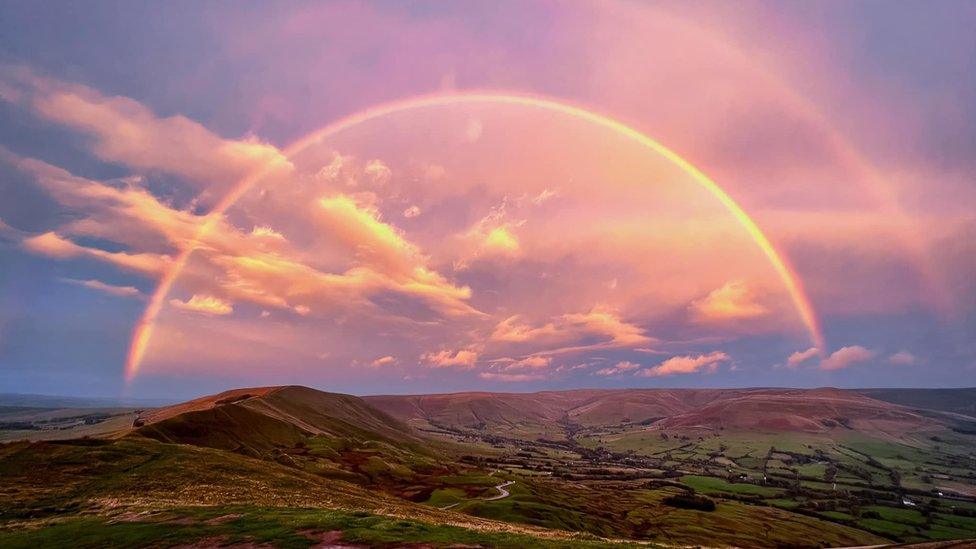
(530, 363)
(51, 244)
(510, 378)
(903, 358)
(384, 361)
(846, 357)
(618, 368)
(121, 291)
(127, 132)
(800, 357)
(686, 365)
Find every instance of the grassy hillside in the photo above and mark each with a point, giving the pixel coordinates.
(127, 493)
(294, 466)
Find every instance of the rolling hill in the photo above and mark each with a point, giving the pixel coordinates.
(775, 410)
(255, 421)
(294, 466)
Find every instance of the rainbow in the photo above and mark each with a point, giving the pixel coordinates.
(144, 328)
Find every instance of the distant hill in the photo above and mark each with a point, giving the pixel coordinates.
(54, 401)
(807, 410)
(957, 401)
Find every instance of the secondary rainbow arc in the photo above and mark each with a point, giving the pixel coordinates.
(792, 282)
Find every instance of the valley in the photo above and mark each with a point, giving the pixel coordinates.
(293, 466)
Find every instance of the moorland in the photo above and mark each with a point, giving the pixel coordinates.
(297, 467)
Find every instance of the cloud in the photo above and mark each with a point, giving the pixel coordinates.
(686, 365)
(382, 248)
(492, 236)
(378, 172)
(618, 368)
(52, 245)
(263, 231)
(473, 129)
(845, 357)
(384, 361)
(205, 304)
(121, 291)
(125, 131)
(463, 359)
(501, 241)
(903, 358)
(800, 357)
(599, 328)
(530, 363)
(544, 196)
(510, 378)
(385, 263)
(733, 301)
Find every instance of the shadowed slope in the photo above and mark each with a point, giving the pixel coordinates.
(255, 421)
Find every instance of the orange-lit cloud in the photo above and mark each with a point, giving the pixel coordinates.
(733, 301)
(205, 304)
(264, 231)
(464, 359)
(559, 334)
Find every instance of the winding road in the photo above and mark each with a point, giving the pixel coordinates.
(502, 493)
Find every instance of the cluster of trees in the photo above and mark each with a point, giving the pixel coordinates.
(690, 501)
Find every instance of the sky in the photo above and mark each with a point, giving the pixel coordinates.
(419, 197)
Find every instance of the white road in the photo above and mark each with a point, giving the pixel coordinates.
(502, 493)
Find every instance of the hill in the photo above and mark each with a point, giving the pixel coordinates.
(957, 401)
(255, 421)
(293, 466)
(776, 410)
(138, 492)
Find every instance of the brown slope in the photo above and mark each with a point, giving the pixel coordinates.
(802, 410)
(254, 421)
(587, 407)
(639, 405)
(476, 409)
(812, 410)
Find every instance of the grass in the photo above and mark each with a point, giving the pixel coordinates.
(443, 497)
(717, 486)
(286, 528)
